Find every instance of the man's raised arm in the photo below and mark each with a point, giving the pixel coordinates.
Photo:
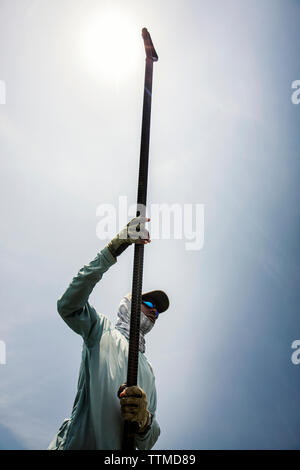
(73, 306)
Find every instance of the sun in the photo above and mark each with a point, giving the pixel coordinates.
(111, 44)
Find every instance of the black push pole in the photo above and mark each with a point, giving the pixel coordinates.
(133, 353)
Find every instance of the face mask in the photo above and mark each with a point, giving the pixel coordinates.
(146, 324)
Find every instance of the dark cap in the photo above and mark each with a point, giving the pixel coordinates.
(159, 298)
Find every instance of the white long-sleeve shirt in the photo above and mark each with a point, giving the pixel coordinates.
(96, 421)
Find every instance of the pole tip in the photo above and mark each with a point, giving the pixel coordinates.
(149, 48)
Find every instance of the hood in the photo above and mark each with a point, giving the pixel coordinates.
(123, 321)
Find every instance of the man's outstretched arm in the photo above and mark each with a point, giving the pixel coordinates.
(73, 306)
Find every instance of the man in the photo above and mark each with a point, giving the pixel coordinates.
(96, 421)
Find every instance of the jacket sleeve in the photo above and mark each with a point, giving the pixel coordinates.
(147, 441)
(74, 307)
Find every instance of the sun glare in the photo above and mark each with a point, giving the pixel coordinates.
(111, 44)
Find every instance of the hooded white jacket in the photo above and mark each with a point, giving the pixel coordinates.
(96, 421)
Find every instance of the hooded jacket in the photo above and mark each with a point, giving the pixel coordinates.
(96, 421)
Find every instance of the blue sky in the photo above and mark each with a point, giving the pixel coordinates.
(224, 134)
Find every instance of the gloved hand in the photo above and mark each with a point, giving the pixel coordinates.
(133, 232)
(134, 406)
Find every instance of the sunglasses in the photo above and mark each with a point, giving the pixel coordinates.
(151, 305)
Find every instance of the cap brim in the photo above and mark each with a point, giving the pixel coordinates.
(159, 298)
